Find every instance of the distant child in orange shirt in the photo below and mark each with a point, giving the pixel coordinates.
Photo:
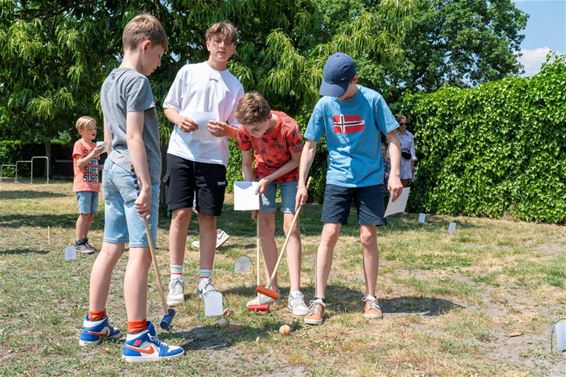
(85, 184)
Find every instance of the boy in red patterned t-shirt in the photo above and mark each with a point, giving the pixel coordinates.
(277, 143)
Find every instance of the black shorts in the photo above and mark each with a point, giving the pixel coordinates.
(368, 201)
(185, 179)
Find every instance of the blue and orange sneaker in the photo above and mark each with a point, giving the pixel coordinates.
(95, 331)
(145, 346)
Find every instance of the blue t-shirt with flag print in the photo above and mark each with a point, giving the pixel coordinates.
(352, 129)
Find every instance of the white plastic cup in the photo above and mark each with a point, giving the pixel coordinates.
(422, 218)
(452, 228)
(560, 331)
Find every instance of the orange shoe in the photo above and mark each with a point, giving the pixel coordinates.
(315, 316)
(372, 310)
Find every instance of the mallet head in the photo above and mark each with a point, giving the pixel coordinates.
(167, 319)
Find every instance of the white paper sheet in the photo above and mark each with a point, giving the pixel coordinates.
(213, 304)
(245, 197)
(202, 118)
(422, 217)
(399, 205)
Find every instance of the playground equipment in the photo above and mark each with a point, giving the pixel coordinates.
(30, 162)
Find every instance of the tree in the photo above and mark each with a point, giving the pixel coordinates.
(460, 43)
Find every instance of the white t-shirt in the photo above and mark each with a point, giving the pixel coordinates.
(199, 91)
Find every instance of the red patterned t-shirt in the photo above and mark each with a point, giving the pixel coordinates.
(274, 149)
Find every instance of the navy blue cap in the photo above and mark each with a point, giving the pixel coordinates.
(338, 71)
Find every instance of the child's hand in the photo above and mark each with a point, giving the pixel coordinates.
(143, 203)
(98, 149)
(254, 215)
(187, 124)
(217, 128)
(301, 197)
(262, 185)
(395, 187)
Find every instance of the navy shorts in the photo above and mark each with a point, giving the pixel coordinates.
(368, 201)
(185, 179)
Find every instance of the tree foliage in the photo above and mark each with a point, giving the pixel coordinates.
(56, 54)
(493, 150)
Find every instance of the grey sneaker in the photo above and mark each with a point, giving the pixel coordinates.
(88, 245)
(205, 286)
(83, 247)
(176, 295)
(296, 302)
(221, 237)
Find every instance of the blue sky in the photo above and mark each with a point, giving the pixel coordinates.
(545, 31)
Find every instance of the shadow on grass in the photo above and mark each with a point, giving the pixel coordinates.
(23, 251)
(216, 338)
(28, 194)
(428, 306)
(43, 221)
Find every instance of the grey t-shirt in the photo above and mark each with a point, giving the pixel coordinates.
(126, 90)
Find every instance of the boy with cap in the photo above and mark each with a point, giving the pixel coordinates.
(351, 117)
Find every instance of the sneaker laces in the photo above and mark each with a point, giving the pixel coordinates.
(313, 304)
(156, 340)
(297, 299)
(372, 303)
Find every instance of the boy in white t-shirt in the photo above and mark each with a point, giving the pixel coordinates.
(201, 103)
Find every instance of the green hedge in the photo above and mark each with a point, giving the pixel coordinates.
(495, 150)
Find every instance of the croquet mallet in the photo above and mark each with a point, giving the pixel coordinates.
(259, 307)
(169, 312)
(267, 290)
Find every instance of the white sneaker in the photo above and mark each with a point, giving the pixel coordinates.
(176, 295)
(221, 237)
(205, 286)
(263, 300)
(296, 302)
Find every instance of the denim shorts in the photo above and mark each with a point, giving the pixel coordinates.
(122, 224)
(368, 201)
(88, 202)
(288, 194)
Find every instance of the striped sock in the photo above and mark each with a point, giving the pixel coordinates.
(204, 273)
(96, 316)
(176, 271)
(135, 327)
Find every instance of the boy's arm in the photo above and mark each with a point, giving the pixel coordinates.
(247, 169)
(394, 185)
(107, 138)
(136, 146)
(307, 157)
(220, 129)
(94, 152)
(185, 123)
(284, 169)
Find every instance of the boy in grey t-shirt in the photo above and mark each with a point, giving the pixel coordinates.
(131, 129)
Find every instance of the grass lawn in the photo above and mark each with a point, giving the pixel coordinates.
(479, 302)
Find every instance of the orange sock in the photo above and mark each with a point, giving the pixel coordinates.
(137, 326)
(96, 316)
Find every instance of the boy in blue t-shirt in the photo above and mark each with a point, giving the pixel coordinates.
(352, 118)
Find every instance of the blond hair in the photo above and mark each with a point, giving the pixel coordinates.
(85, 123)
(252, 108)
(225, 30)
(144, 27)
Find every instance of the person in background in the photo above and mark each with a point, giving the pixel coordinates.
(85, 183)
(408, 156)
